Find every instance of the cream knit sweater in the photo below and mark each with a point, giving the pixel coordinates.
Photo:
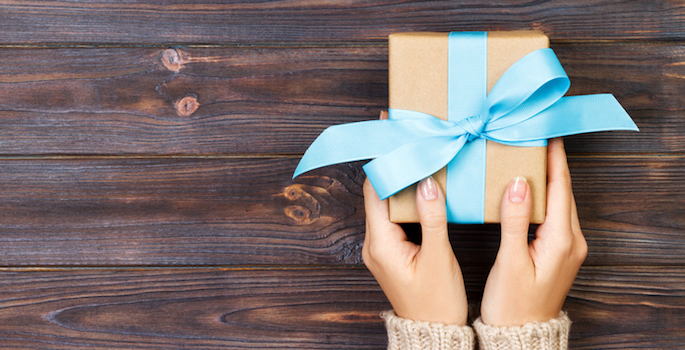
(406, 334)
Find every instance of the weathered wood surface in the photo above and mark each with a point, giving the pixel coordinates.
(249, 211)
(266, 100)
(146, 149)
(319, 308)
(153, 22)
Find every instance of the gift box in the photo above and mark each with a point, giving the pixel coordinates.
(478, 105)
(418, 81)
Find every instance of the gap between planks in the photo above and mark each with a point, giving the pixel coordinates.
(149, 156)
(59, 268)
(297, 156)
(348, 267)
(309, 45)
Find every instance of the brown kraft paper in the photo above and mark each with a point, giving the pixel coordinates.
(418, 82)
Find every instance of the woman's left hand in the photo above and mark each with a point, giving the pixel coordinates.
(423, 282)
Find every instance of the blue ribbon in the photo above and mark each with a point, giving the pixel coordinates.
(525, 108)
(466, 91)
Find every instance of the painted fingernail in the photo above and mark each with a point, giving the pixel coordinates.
(517, 190)
(428, 188)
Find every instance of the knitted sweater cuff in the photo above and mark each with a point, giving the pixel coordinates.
(552, 335)
(418, 335)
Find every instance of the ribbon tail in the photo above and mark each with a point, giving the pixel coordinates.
(343, 143)
(392, 172)
(362, 140)
(569, 116)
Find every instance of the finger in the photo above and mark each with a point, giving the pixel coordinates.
(384, 115)
(378, 225)
(516, 208)
(559, 194)
(430, 205)
(376, 209)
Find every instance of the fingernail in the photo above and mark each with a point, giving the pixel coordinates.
(517, 190)
(428, 188)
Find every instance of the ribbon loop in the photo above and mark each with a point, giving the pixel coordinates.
(528, 87)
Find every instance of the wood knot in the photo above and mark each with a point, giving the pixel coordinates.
(186, 106)
(293, 192)
(301, 215)
(172, 60)
(307, 210)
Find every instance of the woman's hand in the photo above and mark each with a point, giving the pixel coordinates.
(423, 282)
(529, 282)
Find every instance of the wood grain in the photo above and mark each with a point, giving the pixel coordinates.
(627, 308)
(320, 308)
(191, 309)
(249, 211)
(150, 211)
(87, 101)
(147, 147)
(277, 100)
(209, 22)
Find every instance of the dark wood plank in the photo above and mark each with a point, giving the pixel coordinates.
(628, 308)
(204, 21)
(267, 100)
(646, 79)
(150, 211)
(88, 101)
(621, 202)
(249, 211)
(191, 309)
(293, 308)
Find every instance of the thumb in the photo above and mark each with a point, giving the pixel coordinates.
(430, 205)
(516, 207)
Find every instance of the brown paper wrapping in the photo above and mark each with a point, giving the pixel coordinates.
(418, 82)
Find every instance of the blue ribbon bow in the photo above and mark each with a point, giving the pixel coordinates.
(525, 108)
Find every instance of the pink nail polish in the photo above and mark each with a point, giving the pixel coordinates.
(517, 190)
(428, 188)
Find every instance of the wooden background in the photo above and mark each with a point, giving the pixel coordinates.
(147, 147)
